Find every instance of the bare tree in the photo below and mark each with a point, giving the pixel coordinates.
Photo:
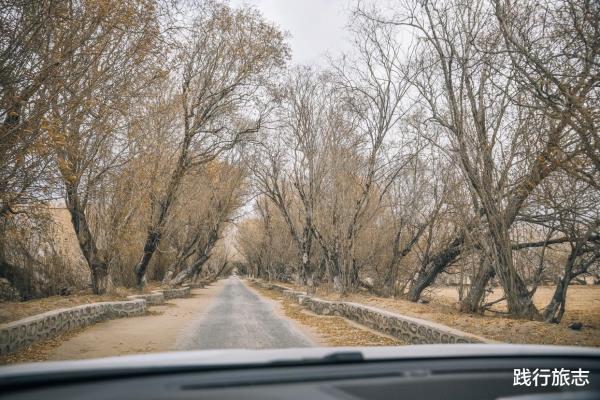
(555, 50)
(371, 89)
(290, 173)
(88, 136)
(224, 60)
(224, 199)
(413, 211)
(467, 84)
(33, 49)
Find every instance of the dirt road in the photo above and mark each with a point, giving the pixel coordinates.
(240, 318)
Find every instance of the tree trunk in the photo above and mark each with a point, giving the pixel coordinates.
(434, 267)
(391, 275)
(182, 256)
(190, 271)
(335, 274)
(555, 309)
(219, 270)
(172, 269)
(354, 274)
(517, 295)
(306, 268)
(310, 284)
(472, 302)
(100, 279)
(152, 241)
(156, 229)
(204, 255)
(168, 276)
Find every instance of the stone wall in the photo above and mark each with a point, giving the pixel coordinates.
(175, 293)
(152, 299)
(19, 334)
(158, 297)
(408, 329)
(198, 285)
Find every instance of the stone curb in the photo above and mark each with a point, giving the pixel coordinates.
(199, 285)
(158, 297)
(153, 299)
(19, 334)
(196, 285)
(409, 329)
(175, 293)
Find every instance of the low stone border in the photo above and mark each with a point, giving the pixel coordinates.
(199, 285)
(19, 334)
(158, 297)
(152, 299)
(409, 329)
(175, 293)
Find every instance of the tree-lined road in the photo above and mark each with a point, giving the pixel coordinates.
(239, 318)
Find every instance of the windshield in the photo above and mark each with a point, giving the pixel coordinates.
(194, 175)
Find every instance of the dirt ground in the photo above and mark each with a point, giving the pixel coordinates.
(583, 305)
(156, 331)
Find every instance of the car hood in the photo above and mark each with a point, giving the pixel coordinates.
(208, 359)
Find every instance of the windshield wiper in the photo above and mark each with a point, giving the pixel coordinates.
(340, 357)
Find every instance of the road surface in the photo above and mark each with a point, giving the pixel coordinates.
(239, 318)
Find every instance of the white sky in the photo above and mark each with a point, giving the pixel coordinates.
(316, 26)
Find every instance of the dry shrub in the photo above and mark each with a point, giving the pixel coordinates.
(39, 254)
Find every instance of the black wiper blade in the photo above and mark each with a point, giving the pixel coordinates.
(340, 357)
(345, 356)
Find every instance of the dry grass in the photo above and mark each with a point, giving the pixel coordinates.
(335, 331)
(582, 300)
(583, 304)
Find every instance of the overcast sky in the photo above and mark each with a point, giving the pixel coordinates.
(316, 26)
